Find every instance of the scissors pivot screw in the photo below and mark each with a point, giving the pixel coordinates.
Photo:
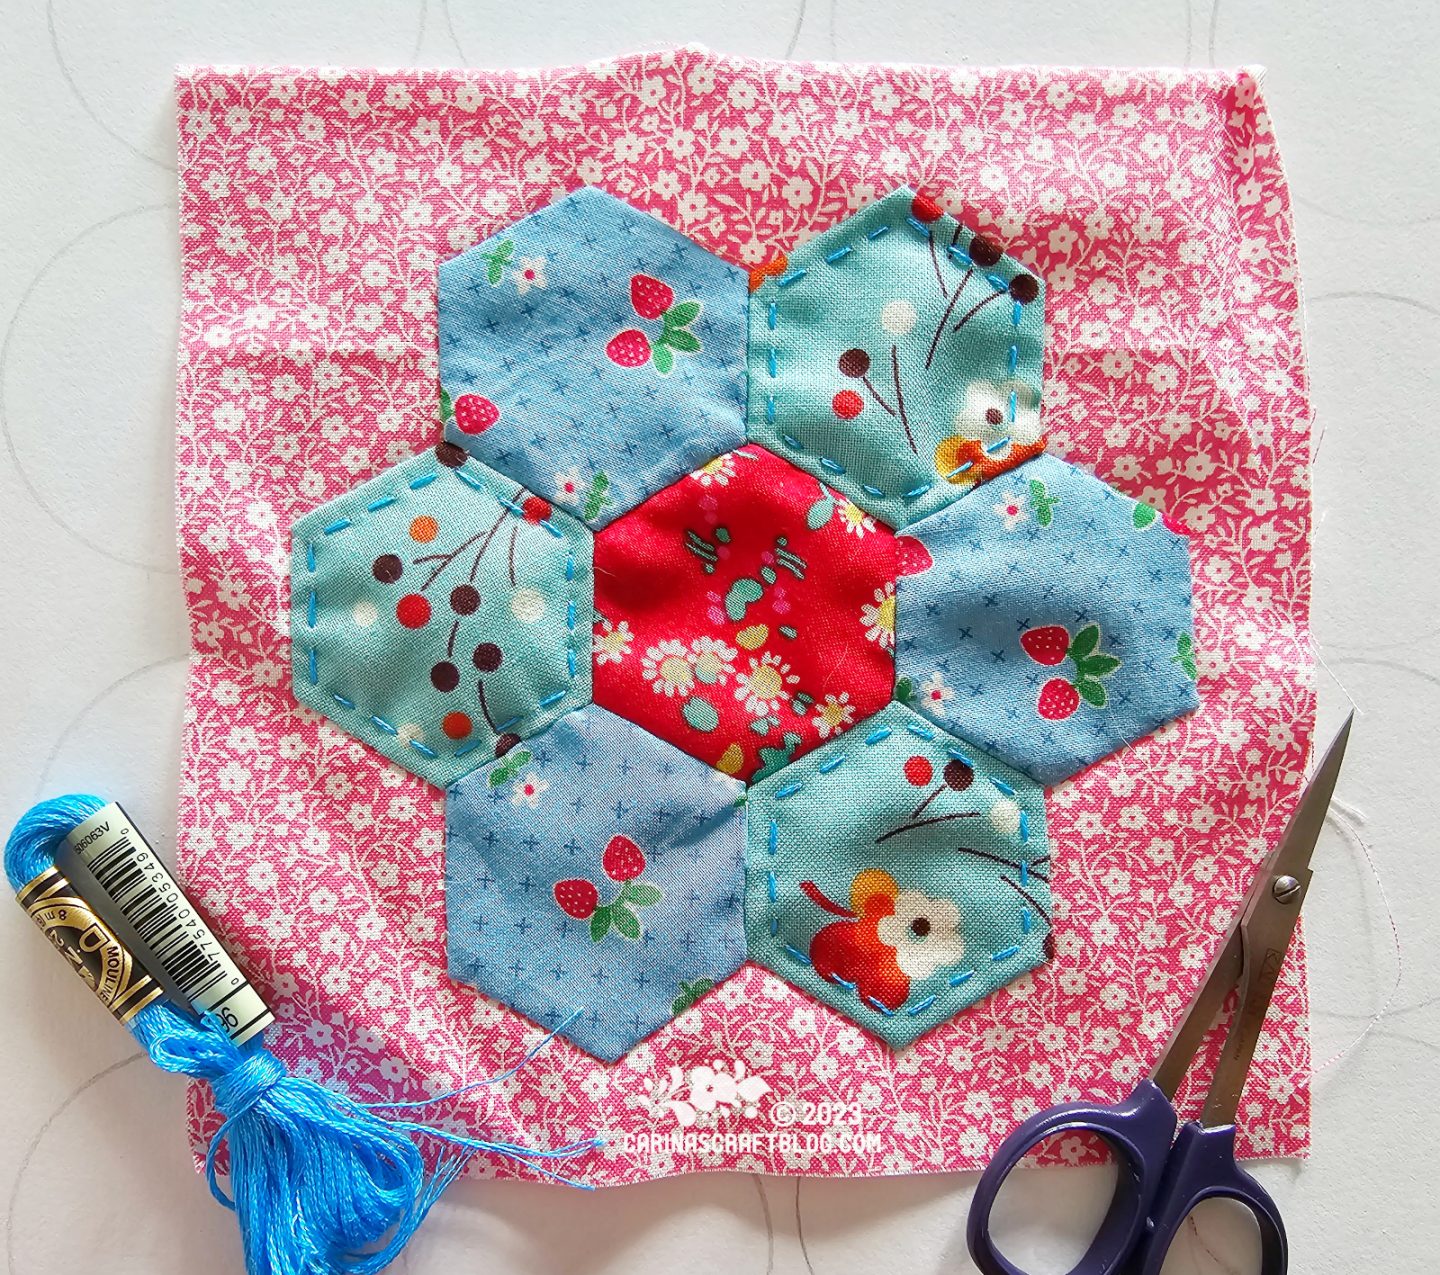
(1285, 889)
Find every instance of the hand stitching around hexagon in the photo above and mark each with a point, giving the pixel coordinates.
(1055, 624)
(592, 352)
(596, 869)
(440, 613)
(898, 874)
(898, 357)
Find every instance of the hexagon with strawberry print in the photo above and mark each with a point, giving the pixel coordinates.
(898, 874)
(439, 612)
(595, 880)
(1055, 623)
(898, 357)
(592, 352)
(746, 613)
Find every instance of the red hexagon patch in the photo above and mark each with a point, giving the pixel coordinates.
(746, 613)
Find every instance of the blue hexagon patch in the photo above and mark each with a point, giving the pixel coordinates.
(592, 352)
(897, 358)
(595, 881)
(440, 613)
(1054, 625)
(898, 874)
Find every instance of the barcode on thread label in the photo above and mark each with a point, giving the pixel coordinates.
(171, 930)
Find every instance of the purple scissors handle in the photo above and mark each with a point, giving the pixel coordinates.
(1202, 1167)
(1139, 1130)
(1158, 1186)
(1164, 1175)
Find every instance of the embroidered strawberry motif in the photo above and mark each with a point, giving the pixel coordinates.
(577, 897)
(1058, 700)
(474, 413)
(622, 860)
(652, 298)
(649, 296)
(1049, 646)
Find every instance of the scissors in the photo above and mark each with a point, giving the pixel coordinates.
(1164, 1175)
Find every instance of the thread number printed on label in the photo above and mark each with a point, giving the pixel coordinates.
(173, 933)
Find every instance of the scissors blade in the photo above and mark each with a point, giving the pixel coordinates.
(1271, 912)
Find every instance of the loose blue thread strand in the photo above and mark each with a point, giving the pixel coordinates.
(318, 1182)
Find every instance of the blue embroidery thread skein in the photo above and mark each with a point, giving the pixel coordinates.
(319, 1183)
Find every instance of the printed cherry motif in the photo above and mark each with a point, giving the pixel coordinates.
(919, 771)
(474, 413)
(956, 776)
(413, 611)
(925, 208)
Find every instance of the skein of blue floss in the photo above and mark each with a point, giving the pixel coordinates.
(319, 1183)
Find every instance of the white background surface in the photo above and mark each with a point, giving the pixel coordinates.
(94, 1172)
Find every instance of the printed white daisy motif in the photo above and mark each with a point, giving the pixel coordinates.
(924, 932)
(834, 715)
(878, 617)
(934, 690)
(568, 486)
(712, 660)
(854, 519)
(612, 642)
(529, 273)
(717, 472)
(765, 687)
(529, 790)
(1011, 510)
(666, 666)
(1005, 411)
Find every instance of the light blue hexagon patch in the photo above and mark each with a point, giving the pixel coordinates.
(898, 874)
(592, 352)
(440, 613)
(1054, 625)
(595, 881)
(898, 358)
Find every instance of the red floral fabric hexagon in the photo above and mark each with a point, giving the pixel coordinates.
(746, 613)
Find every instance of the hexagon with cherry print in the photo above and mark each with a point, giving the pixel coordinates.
(898, 874)
(440, 613)
(592, 352)
(595, 880)
(746, 613)
(897, 357)
(1055, 624)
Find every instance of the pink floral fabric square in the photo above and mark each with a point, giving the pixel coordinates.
(315, 208)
